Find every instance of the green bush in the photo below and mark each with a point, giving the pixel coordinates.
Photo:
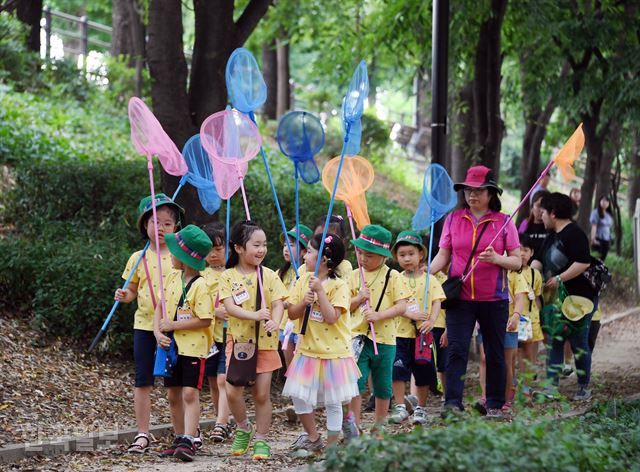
(605, 439)
(16, 63)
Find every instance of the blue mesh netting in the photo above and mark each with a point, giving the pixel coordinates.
(355, 137)
(358, 92)
(245, 84)
(200, 174)
(300, 137)
(437, 199)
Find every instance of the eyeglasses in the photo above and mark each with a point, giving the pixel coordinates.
(470, 190)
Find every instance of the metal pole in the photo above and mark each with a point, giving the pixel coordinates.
(439, 74)
(47, 32)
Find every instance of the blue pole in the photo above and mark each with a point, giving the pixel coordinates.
(107, 320)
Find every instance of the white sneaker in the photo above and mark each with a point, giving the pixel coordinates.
(419, 416)
(399, 414)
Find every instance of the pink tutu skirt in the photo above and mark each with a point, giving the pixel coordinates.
(320, 381)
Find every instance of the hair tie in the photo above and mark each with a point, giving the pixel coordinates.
(339, 217)
(328, 239)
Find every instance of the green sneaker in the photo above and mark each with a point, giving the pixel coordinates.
(261, 450)
(241, 441)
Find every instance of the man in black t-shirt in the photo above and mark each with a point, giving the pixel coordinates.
(563, 258)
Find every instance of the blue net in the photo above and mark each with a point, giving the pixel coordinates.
(200, 174)
(353, 105)
(355, 138)
(437, 199)
(300, 137)
(245, 84)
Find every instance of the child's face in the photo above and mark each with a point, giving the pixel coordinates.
(166, 224)
(537, 211)
(285, 250)
(409, 257)
(310, 258)
(255, 250)
(370, 261)
(216, 255)
(526, 253)
(176, 263)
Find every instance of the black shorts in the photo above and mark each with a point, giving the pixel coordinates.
(144, 351)
(189, 372)
(441, 352)
(404, 365)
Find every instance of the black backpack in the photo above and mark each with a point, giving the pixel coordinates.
(598, 275)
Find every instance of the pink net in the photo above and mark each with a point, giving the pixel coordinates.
(231, 139)
(150, 139)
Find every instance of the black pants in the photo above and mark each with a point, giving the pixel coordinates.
(603, 248)
(594, 329)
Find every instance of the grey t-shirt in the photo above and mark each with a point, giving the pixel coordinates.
(603, 225)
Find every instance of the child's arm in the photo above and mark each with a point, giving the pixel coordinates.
(330, 314)
(432, 317)
(517, 310)
(397, 309)
(296, 311)
(128, 295)
(539, 303)
(193, 323)
(363, 295)
(221, 312)
(277, 309)
(240, 313)
(163, 341)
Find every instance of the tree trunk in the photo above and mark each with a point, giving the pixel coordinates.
(121, 38)
(30, 12)
(284, 92)
(373, 86)
(634, 173)
(270, 72)
(462, 142)
(423, 92)
(488, 125)
(609, 153)
(615, 205)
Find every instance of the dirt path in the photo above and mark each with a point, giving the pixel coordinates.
(616, 373)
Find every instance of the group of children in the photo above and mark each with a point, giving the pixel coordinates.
(367, 327)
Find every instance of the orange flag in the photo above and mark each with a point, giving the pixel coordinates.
(569, 153)
(355, 179)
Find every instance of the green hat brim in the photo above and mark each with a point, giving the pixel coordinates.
(369, 247)
(303, 243)
(394, 249)
(141, 218)
(178, 252)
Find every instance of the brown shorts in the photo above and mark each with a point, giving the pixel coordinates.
(268, 361)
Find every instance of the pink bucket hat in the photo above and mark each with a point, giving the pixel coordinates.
(478, 177)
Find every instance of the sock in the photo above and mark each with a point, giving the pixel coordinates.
(244, 425)
(261, 436)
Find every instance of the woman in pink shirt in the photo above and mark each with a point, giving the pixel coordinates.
(484, 297)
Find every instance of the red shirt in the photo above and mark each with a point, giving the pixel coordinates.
(487, 282)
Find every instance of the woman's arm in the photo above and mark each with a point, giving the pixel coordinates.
(441, 260)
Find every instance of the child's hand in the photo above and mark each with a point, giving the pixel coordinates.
(371, 316)
(166, 325)
(364, 294)
(427, 326)
(121, 296)
(270, 326)
(221, 312)
(418, 316)
(309, 298)
(163, 341)
(315, 284)
(263, 314)
(513, 322)
(444, 339)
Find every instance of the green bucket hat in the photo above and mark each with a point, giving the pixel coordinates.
(145, 208)
(409, 237)
(190, 245)
(305, 235)
(375, 239)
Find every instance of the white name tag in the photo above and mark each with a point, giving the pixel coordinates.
(184, 314)
(240, 296)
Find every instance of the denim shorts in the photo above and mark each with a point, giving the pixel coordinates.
(510, 339)
(293, 338)
(216, 364)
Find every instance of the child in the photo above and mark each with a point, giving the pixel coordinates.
(386, 294)
(517, 294)
(144, 342)
(323, 371)
(336, 226)
(188, 315)
(410, 253)
(288, 277)
(238, 289)
(215, 366)
(533, 279)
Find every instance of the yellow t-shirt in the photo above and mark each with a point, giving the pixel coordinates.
(517, 284)
(143, 318)
(406, 327)
(441, 322)
(289, 281)
(534, 290)
(232, 282)
(190, 342)
(396, 290)
(324, 340)
(212, 279)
